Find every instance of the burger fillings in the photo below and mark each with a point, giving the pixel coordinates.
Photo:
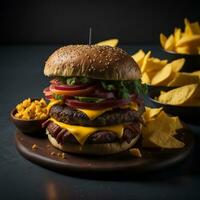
(95, 99)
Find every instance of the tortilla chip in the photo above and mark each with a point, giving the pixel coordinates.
(138, 57)
(161, 140)
(135, 152)
(197, 73)
(150, 113)
(183, 50)
(154, 65)
(177, 64)
(189, 40)
(177, 35)
(145, 62)
(169, 45)
(145, 78)
(191, 28)
(110, 42)
(179, 95)
(159, 132)
(162, 75)
(163, 40)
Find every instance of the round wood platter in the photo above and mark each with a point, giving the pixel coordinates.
(40, 151)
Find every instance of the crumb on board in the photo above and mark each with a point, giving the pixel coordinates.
(135, 152)
(52, 153)
(58, 154)
(34, 146)
(63, 155)
(48, 146)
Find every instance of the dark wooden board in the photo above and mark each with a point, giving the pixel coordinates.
(152, 159)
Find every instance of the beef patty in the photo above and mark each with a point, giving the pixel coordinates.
(99, 137)
(68, 115)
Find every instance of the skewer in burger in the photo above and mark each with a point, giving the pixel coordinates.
(95, 100)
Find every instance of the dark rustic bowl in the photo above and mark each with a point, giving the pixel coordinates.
(186, 113)
(33, 126)
(192, 61)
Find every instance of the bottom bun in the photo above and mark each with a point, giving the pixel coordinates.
(93, 149)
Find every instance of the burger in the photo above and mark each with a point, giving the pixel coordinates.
(95, 104)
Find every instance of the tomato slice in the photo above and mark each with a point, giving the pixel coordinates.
(114, 103)
(81, 92)
(47, 91)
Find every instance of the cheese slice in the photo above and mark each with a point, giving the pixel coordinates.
(92, 114)
(81, 133)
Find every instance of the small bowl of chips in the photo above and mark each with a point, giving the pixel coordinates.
(182, 101)
(29, 115)
(184, 44)
(163, 74)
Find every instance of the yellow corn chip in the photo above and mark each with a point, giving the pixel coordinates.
(163, 40)
(177, 35)
(169, 45)
(150, 113)
(197, 73)
(189, 40)
(159, 132)
(111, 42)
(177, 65)
(179, 95)
(161, 140)
(145, 61)
(162, 75)
(145, 78)
(166, 124)
(183, 50)
(138, 57)
(154, 65)
(191, 28)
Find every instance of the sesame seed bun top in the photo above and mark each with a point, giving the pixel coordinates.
(92, 61)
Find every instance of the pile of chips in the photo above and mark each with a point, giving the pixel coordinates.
(160, 130)
(163, 73)
(186, 42)
(188, 95)
(110, 42)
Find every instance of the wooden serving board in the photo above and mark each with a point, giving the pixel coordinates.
(49, 157)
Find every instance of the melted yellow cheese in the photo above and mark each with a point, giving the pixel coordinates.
(92, 114)
(81, 133)
(133, 106)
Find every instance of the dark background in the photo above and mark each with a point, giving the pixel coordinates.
(63, 21)
(23, 25)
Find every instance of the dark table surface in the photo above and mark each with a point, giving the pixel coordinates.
(22, 77)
